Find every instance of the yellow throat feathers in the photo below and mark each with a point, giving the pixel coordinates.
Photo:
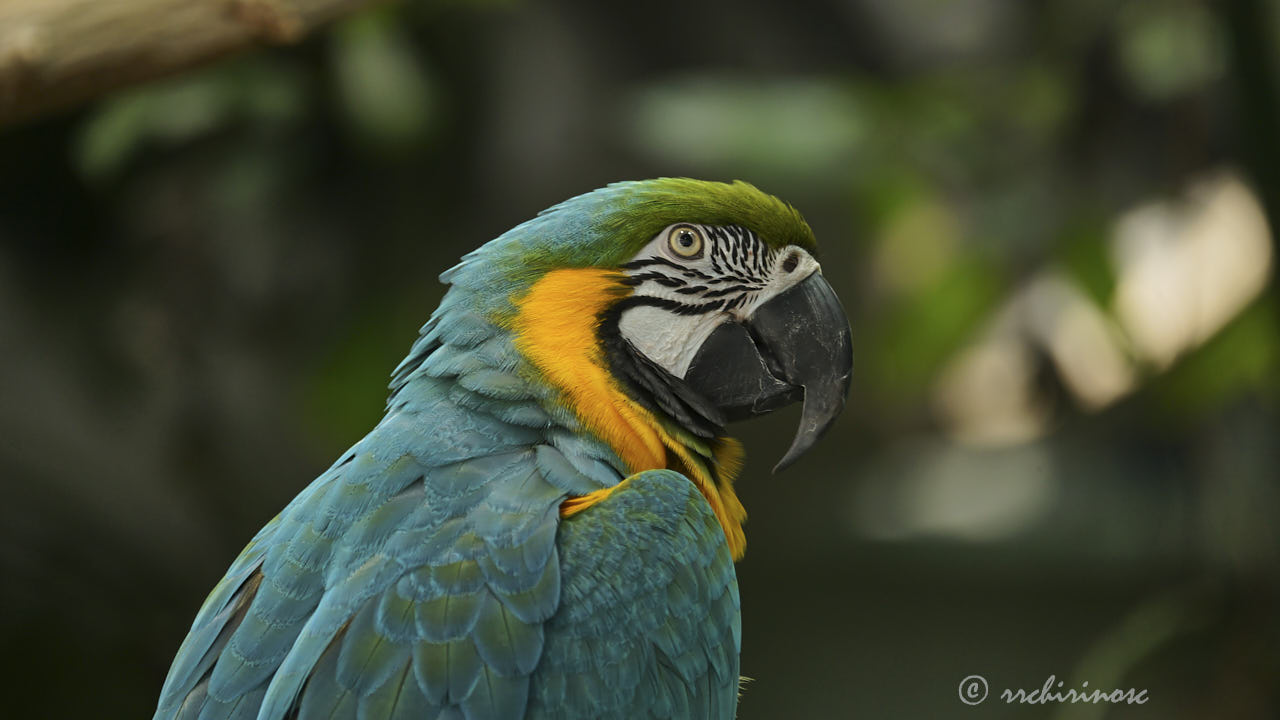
(555, 328)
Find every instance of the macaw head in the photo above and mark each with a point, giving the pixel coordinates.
(674, 303)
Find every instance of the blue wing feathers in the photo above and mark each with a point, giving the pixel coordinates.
(427, 573)
(495, 384)
(219, 616)
(523, 414)
(452, 361)
(459, 326)
(642, 572)
(563, 474)
(461, 665)
(537, 602)
(449, 617)
(591, 463)
(395, 615)
(508, 645)
(367, 658)
(400, 698)
(495, 696)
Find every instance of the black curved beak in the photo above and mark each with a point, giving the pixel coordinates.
(794, 346)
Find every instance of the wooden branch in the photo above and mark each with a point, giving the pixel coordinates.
(55, 53)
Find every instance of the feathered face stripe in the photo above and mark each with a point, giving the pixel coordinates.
(739, 263)
(691, 278)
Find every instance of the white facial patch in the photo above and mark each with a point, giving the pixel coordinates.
(666, 338)
(681, 297)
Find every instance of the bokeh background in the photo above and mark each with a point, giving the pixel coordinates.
(1051, 221)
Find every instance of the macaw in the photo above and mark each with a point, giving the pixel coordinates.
(543, 524)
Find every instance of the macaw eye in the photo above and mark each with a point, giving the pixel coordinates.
(685, 241)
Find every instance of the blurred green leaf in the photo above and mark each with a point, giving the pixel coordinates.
(111, 136)
(385, 91)
(1239, 360)
(916, 243)
(1084, 253)
(1041, 100)
(889, 193)
(183, 109)
(1169, 48)
(798, 128)
(170, 113)
(917, 335)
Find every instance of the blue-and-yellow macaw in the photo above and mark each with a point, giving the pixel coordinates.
(543, 525)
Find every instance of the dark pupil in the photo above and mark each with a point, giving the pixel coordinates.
(686, 239)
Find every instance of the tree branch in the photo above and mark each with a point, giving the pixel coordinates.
(54, 53)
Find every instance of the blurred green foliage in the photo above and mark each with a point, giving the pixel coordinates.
(1167, 49)
(175, 112)
(384, 91)
(1239, 363)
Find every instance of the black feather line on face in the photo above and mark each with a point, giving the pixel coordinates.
(658, 277)
(728, 291)
(735, 278)
(739, 262)
(739, 259)
(651, 385)
(737, 265)
(674, 306)
(652, 261)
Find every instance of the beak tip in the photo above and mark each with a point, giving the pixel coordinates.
(787, 461)
(816, 419)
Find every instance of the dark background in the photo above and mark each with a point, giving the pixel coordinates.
(1047, 220)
